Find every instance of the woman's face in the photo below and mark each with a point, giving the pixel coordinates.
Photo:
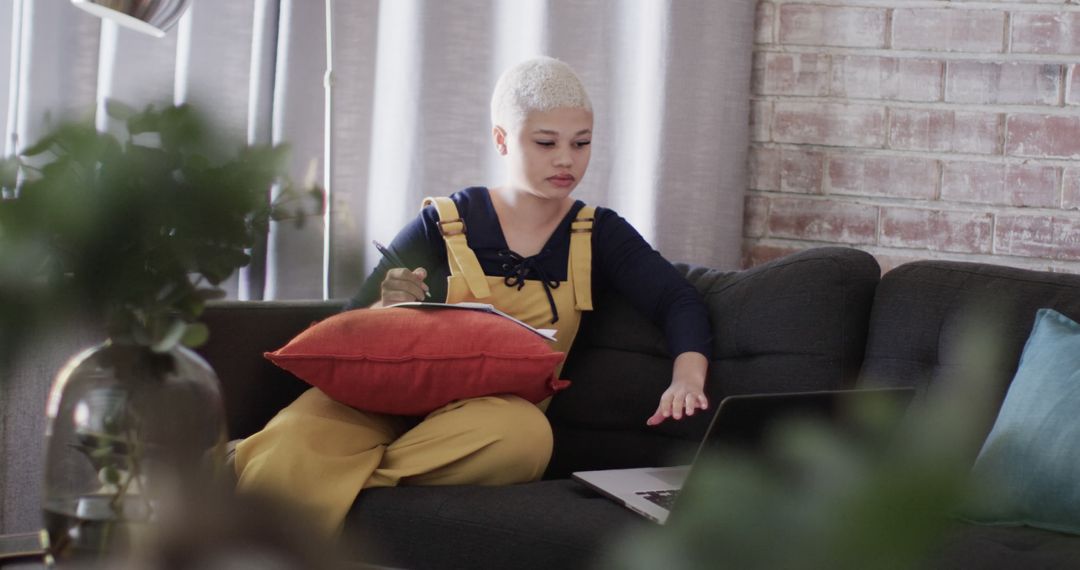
(550, 151)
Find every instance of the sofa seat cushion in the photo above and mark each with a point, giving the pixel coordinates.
(547, 524)
(1006, 548)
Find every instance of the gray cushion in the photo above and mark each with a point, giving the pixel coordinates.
(922, 310)
(797, 323)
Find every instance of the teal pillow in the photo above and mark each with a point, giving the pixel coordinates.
(1032, 455)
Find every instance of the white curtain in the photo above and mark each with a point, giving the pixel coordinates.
(669, 80)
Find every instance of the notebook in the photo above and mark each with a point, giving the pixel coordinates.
(740, 421)
(483, 307)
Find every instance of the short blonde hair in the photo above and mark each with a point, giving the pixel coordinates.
(540, 84)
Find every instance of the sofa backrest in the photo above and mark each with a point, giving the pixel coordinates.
(794, 324)
(240, 332)
(925, 314)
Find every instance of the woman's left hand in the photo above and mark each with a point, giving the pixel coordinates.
(687, 391)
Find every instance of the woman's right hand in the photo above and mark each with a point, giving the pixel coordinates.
(401, 286)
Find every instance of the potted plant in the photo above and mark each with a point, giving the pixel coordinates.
(137, 231)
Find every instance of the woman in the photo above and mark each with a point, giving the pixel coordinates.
(526, 247)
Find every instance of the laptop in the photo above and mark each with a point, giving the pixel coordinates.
(741, 422)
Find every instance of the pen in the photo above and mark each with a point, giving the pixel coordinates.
(395, 260)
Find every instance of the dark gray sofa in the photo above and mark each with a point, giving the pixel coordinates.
(619, 367)
(920, 312)
(804, 322)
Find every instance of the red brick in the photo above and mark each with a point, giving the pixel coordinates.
(1072, 90)
(834, 124)
(1000, 184)
(764, 168)
(871, 77)
(892, 176)
(945, 131)
(1048, 237)
(803, 74)
(1042, 136)
(936, 230)
(822, 220)
(761, 115)
(1002, 83)
(763, 22)
(1070, 199)
(755, 254)
(1046, 32)
(755, 215)
(844, 26)
(949, 29)
(801, 171)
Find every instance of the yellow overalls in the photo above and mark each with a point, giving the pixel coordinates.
(320, 454)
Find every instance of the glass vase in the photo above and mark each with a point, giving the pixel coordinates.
(132, 436)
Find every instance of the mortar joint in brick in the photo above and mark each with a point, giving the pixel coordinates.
(939, 180)
(1007, 40)
(1061, 187)
(944, 77)
(1064, 85)
(1070, 76)
(877, 230)
(889, 28)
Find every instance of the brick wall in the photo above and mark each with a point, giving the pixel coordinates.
(914, 129)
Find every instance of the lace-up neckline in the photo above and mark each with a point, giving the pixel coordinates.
(516, 269)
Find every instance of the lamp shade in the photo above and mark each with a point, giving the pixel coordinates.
(153, 17)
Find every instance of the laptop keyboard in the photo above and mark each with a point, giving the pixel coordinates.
(665, 498)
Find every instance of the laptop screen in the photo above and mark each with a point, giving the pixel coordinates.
(745, 422)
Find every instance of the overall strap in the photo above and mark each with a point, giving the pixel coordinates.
(581, 257)
(462, 260)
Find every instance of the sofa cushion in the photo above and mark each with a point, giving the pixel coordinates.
(794, 324)
(1032, 455)
(542, 525)
(1004, 548)
(924, 311)
(412, 361)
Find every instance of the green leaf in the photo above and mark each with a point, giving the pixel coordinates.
(175, 331)
(196, 335)
(44, 144)
(144, 122)
(9, 172)
(189, 308)
(110, 475)
(119, 110)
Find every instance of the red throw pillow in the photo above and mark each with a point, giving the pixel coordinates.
(413, 361)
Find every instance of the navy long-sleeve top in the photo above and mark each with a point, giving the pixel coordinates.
(621, 260)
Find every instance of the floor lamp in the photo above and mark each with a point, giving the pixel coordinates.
(155, 17)
(328, 151)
